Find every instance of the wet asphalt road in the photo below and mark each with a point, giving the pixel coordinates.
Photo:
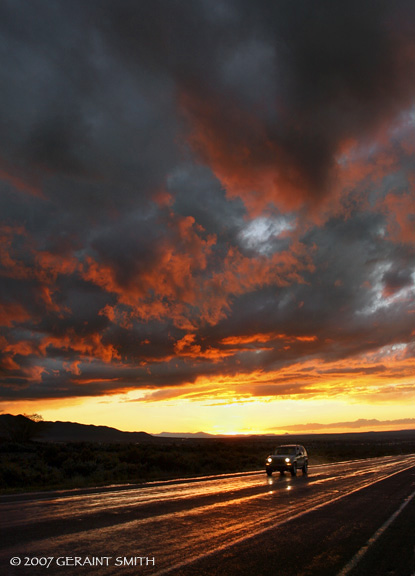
(216, 525)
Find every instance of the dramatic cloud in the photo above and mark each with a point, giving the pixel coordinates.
(207, 200)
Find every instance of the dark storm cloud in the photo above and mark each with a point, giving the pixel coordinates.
(275, 87)
(93, 88)
(69, 107)
(206, 188)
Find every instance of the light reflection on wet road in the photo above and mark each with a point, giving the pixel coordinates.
(177, 521)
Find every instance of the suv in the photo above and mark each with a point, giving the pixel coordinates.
(289, 457)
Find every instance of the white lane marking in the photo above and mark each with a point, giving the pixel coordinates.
(268, 528)
(359, 555)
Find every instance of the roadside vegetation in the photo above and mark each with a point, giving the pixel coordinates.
(33, 465)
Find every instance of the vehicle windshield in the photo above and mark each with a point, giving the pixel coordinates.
(285, 450)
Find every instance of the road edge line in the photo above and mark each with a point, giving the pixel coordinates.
(361, 553)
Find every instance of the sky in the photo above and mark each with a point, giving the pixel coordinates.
(207, 214)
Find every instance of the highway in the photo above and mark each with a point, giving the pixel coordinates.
(224, 524)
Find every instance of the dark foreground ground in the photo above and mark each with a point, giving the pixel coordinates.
(47, 465)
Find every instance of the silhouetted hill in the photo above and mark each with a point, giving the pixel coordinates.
(21, 428)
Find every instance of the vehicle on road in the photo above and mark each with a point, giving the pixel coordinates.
(290, 458)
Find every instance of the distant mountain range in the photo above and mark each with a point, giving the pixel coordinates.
(186, 435)
(21, 428)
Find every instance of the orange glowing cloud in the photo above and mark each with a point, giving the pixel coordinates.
(400, 213)
(242, 273)
(263, 338)
(91, 346)
(246, 160)
(50, 266)
(169, 285)
(12, 313)
(22, 347)
(43, 266)
(187, 347)
(242, 340)
(181, 283)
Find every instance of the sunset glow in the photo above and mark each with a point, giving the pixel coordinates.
(209, 227)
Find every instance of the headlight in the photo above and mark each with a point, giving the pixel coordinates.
(269, 459)
(287, 460)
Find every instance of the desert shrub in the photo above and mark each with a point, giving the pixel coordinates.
(13, 475)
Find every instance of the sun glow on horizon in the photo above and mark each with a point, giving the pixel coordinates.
(277, 416)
